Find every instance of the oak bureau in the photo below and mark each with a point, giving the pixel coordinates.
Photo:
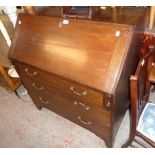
(79, 70)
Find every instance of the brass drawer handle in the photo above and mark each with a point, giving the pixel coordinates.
(37, 88)
(79, 94)
(30, 74)
(86, 123)
(43, 101)
(82, 104)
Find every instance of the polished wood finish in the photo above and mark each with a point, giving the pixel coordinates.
(74, 50)
(151, 77)
(77, 65)
(139, 98)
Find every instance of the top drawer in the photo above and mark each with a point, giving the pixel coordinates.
(70, 88)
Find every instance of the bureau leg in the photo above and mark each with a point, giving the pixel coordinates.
(17, 94)
(109, 144)
(38, 107)
(128, 143)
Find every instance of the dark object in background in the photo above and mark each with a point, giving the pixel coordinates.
(30, 10)
(121, 14)
(77, 12)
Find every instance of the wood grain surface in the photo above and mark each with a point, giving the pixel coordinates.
(89, 52)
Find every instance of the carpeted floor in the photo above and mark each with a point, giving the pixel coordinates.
(23, 125)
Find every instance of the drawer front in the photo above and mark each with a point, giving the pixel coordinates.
(63, 106)
(77, 91)
(45, 93)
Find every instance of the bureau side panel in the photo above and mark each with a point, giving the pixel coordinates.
(122, 93)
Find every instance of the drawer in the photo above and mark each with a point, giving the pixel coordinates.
(72, 89)
(97, 122)
(44, 93)
(41, 87)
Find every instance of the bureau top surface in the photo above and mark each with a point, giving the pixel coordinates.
(88, 52)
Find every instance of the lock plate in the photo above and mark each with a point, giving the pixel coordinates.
(108, 101)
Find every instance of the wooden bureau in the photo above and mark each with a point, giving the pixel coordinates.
(79, 70)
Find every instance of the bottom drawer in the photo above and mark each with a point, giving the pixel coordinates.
(81, 118)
